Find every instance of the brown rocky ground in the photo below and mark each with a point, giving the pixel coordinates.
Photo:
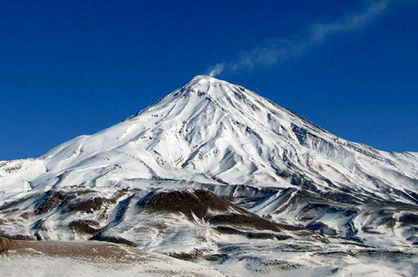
(90, 258)
(86, 250)
(4, 244)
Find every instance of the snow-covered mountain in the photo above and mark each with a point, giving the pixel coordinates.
(215, 172)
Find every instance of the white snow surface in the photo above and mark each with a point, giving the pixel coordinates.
(210, 134)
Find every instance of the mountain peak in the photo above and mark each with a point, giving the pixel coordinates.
(144, 181)
(200, 88)
(213, 88)
(202, 80)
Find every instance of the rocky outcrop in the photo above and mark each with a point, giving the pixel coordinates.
(4, 244)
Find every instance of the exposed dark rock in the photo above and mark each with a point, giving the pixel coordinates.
(25, 215)
(118, 194)
(250, 220)
(341, 197)
(72, 202)
(313, 210)
(88, 205)
(250, 235)
(303, 183)
(199, 202)
(387, 255)
(192, 256)
(4, 244)
(322, 228)
(389, 221)
(195, 202)
(228, 230)
(101, 237)
(38, 226)
(49, 201)
(409, 218)
(301, 133)
(84, 226)
(216, 257)
(281, 264)
(335, 253)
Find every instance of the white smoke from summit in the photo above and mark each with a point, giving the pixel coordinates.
(279, 50)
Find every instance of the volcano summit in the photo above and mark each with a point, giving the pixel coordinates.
(215, 174)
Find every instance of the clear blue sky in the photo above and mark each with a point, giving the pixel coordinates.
(75, 67)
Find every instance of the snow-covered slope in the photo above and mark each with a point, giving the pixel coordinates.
(220, 166)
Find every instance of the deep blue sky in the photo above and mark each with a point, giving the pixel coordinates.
(75, 67)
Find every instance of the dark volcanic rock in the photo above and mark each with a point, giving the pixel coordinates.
(322, 228)
(249, 220)
(84, 226)
(201, 202)
(195, 202)
(49, 201)
(250, 235)
(192, 256)
(88, 205)
(120, 240)
(409, 218)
